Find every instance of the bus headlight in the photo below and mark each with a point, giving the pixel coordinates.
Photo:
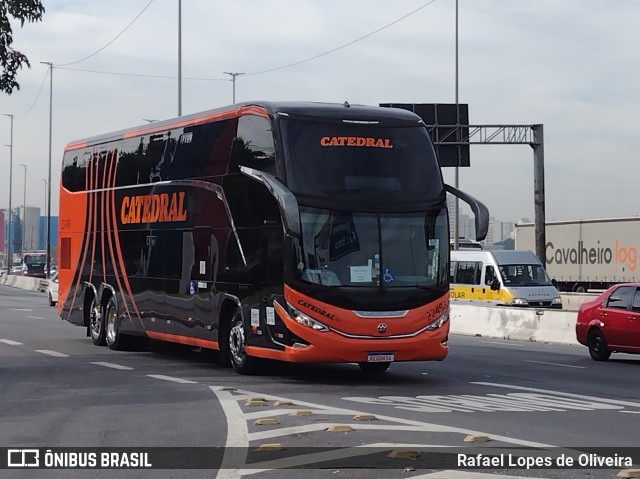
(439, 321)
(299, 317)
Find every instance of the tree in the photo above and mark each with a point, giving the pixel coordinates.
(12, 60)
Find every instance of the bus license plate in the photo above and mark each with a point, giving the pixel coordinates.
(379, 357)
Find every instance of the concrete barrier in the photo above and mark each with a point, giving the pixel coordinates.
(22, 282)
(572, 301)
(527, 324)
(541, 325)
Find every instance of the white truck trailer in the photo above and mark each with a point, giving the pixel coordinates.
(586, 255)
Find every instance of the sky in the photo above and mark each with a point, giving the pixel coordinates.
(570, 65)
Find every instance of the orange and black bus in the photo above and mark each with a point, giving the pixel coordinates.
(301, 232)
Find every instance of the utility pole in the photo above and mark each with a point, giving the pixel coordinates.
(24, 207)
(456, 181)
(49, 177)
(233, 80)
(9, 254)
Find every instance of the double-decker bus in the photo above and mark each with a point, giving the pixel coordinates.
(301, 232)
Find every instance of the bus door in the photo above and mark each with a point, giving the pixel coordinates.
(202, 282)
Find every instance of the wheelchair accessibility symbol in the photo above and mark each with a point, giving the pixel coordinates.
(389, 275)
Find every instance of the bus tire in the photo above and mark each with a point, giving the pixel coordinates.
(240, 360)
(374, 368)
(96, 323)
(114, 338)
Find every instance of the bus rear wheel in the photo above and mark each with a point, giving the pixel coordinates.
(114, 338)
(96, 323)
(240, 360)
(374, 367)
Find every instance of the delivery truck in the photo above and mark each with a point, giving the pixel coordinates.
(587, 255)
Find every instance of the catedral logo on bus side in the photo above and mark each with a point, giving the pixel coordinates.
(156, 208)
(356, 141)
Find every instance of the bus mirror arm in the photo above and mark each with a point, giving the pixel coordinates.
(287, 202)
(480, 211)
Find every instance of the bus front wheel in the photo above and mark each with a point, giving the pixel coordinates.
(240, 360)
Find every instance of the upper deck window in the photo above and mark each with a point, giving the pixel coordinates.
(369, 163)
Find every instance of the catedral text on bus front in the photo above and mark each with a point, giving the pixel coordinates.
(299, 232)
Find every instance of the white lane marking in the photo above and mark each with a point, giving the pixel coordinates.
(631, 412)
(10, 342)
(342, 453)
(264, 412)
(321, 426)
(55, 354)
(20, 309)
(172, 379)
(237, 434)
(511, 402)
(113, 366)
(555, 364)
(410, 422)
(451, 474)
(505, 343)
(34, 317)
(559, 393)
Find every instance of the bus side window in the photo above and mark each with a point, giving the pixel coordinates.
(253, 146)
(468, 272)
(452, 271)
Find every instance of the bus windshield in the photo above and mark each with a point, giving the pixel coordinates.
(373, 250)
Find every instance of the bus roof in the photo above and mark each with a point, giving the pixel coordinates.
(307, 110)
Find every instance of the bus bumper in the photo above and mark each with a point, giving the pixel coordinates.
(330, 346)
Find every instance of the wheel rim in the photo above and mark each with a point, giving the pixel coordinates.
(111, 325)
(236, 343)
(597, 343)
(94, 322)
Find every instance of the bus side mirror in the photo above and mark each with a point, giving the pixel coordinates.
(495, 285)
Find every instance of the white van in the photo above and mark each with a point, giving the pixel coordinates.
(509, 277)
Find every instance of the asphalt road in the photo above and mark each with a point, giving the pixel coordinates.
(59, 390)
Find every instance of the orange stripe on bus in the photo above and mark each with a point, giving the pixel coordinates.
(125, 278)
(188, 340)
(224, 115)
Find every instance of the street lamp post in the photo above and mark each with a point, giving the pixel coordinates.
(179, 57)
(46, 192)
(24, 207)
(10, 145)
(49, 177)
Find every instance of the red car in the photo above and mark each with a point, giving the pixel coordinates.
(611, 322)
